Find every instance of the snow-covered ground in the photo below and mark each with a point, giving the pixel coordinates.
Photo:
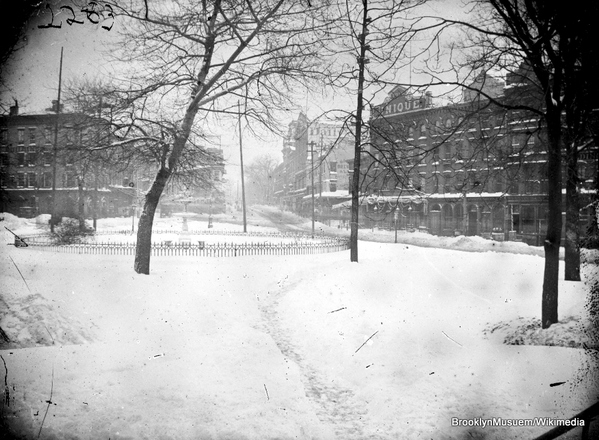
(289, 347)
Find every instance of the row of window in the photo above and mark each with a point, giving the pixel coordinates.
(30, 135)
(36, 180)
(529, 181)
(33, 158)
(446, 126)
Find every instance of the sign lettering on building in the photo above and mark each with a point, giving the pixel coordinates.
(404, 104)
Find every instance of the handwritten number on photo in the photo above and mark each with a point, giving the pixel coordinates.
(110, 15)
(70, 21)
(93, 16)
(91, 12)
(51, 24)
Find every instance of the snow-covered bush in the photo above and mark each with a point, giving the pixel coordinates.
(69, 232)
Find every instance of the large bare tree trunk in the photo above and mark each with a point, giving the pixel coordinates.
(143, 248)
(80, 204)
(572, 245)
(355, 198)
(554, 226)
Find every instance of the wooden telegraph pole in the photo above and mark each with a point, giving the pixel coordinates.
(55, 149)
(245, 228)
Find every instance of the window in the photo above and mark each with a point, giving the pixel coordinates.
(21, 158)
(21, 136)
(20, 180)
(47, 157)
(31, 158)
(466, 150)
(70, 135)
(333, 167)
(423, 130)
(448, 151)
(3, 136)
(70, 180)
(32, 180)
(48, 135)
(69, 155)
(447, 184)
(448, 123)
(515, 143)
(448, 217)
(32, 135)
(47, 180)
(333, 186)
(498, 186)
(411, 132)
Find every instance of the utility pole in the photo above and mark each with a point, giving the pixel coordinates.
(95, 200)
(245, 229)
(312, 144)
(55, 149)
(355, 199)
(320, 164)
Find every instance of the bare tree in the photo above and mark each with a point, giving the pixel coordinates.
(373, 37)
(507, 35)
(90, 145)
(260, 179)
(193, 61)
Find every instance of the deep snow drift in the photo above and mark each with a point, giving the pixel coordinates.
(290, 347)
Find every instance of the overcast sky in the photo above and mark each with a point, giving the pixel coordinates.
(32, 75)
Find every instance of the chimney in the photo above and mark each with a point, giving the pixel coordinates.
(14, 109)
(53, 108)
(429, 98)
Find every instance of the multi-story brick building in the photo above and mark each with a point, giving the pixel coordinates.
(27, 168)
(471, 168)
(315, 155)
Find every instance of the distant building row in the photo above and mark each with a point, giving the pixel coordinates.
(471, 168)
(84, 173)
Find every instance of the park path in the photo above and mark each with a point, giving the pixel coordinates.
(336, 406)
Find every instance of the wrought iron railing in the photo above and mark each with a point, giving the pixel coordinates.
(300, 245)
(587, 415)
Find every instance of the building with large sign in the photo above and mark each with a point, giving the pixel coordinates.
(472, 168)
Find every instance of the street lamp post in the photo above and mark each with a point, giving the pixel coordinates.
(320, 176)
(133, 186)
(395, 216)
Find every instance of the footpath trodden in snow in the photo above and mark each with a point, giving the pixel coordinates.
(293, 347)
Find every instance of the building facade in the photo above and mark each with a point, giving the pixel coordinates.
(315, 155)
(471, 168)
(28, 171)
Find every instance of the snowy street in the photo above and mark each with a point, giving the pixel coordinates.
(294, 347)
